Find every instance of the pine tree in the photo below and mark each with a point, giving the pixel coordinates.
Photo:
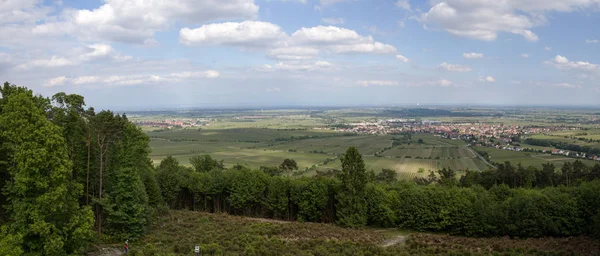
(41, 197)
(127, 212)
(351, 207)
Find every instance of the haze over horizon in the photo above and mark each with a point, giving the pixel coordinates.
(258, 53)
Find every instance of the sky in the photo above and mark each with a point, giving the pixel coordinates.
(136, 54)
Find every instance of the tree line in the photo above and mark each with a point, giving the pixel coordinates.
(70, 175)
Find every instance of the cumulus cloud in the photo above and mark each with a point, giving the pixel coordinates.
(333, 21)
(264, 34)
(401, 58)
(136, 21)
(484, 19)
(246, 33)
(487, 79)
(367, 83)
(548, 48)
(524, 55)
(472, 55)
(561, 62)
(592, 41)
(454, 67)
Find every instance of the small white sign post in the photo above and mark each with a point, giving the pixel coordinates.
(197, 250)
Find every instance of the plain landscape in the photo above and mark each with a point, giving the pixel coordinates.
(299, 127)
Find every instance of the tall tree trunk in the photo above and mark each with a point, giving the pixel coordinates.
(87, 178)
(100, 194)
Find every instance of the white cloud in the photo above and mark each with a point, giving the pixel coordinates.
(487, 79)
(85, 80)
(333, 21)
(116, 80)
(524, 55)
(401, 58)
(302, 44)
(445, 83)
(484, 19)
(340, 40)
(295, 66)
(246, 33)
(454, 67)
(375, 47)
(366, 83)
(592, 41)
(53, 62)
(56, 81)
(293, 53)
(196, 74)
(472, 55)
(548, 48)
(404, 4)
(77, 56)
(136, 21)
(562, 62)
(328, 35)
(97, 51)
(567, 85)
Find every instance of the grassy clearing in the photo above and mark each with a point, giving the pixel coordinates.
(177, 232)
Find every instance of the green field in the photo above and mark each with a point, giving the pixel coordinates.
(527, 159)
(311, 148)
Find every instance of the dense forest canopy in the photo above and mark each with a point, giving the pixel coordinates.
(70, 175)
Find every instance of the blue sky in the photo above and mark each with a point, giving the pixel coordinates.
(241, 53)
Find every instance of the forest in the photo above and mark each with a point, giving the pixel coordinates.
(72, 176)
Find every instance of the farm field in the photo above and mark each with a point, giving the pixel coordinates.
(527, 159)
(311, 149)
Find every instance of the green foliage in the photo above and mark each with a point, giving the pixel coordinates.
(278, 197)
(170, 179)
(247, 189)
(379, 206)
(205, 163)
(127, 212)
(351, 204)
(272, 170)
(42, 199)
(288, 165)
(387, 176)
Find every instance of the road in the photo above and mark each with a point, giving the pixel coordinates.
(481, 157)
